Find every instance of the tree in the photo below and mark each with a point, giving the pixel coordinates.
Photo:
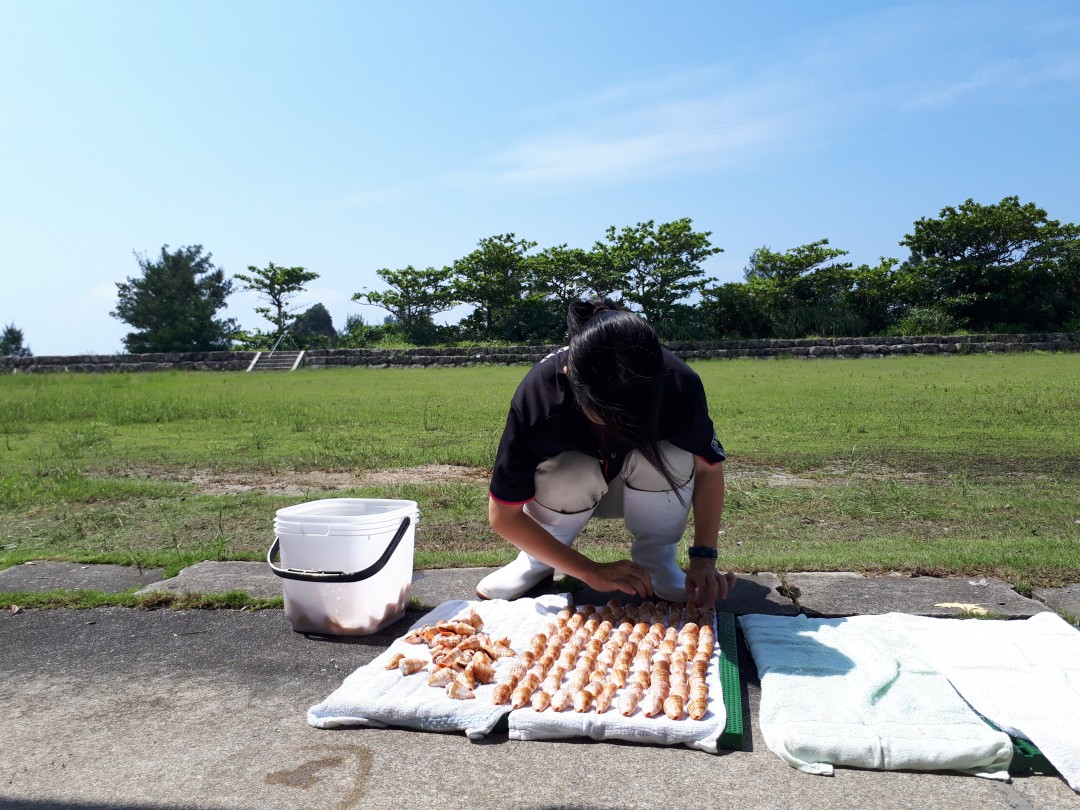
(278, 285)
(660, 266)
(314, 328)
(733, 311)
(805, 291)
(173, 303)
(11, 343)
(495, 278)
(995, 267)
(414, 298)
(564, 274)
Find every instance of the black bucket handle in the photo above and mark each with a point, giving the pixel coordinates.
(338, 576)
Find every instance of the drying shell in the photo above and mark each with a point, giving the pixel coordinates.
(441, 677)
(459, 691)
(518, 670)
(474, 619)
(619, 674)
(501, 648)
(560, 701)
(603, 700)
(502, 693)
(628, 701)
(697, 707)
(652, 704)
(583, 700)
(395, 659)
(522, 694)
(541, 700)
(673, 706)
(482, 671)
(537, 645)
(460, 628)
(410, 665)
(551, 684)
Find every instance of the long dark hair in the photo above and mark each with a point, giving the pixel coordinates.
(615, 366)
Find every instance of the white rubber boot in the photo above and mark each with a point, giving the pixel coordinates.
(524, 572)
(657, 520)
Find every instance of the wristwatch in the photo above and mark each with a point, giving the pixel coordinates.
(702, 551)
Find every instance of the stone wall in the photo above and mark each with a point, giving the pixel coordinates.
(807, 348)
(187, 361)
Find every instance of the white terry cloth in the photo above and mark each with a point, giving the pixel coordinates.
(857, 692)
(1024, 676)
(703, 734)
(376, 697)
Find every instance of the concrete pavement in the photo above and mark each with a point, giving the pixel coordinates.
(121, 708)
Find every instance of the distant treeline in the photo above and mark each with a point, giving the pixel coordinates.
(999, 268)
(995, 268)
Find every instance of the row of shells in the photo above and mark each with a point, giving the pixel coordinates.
(652, 658)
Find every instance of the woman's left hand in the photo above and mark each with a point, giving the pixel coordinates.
(704, 584)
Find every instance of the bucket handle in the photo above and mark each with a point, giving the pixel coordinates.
(337, 576)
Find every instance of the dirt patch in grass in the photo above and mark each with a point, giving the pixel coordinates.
(301, 482)
(293, 482)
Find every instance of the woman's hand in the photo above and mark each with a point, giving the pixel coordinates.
(704, 584)
(622, 575)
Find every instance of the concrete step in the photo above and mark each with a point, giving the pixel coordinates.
(277, 361)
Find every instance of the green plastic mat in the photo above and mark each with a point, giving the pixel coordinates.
(732, 737)
(1029, 759)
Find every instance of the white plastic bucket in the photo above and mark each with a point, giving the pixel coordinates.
(346, 563)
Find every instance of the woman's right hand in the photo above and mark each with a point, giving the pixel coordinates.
(622, 575)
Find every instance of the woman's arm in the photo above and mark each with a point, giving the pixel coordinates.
(704, 583)
(511, 523)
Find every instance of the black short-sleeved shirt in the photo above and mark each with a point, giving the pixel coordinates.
(544, 421)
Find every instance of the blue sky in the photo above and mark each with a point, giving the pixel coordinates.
(347, 136)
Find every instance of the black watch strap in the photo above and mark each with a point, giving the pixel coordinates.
(702, 551)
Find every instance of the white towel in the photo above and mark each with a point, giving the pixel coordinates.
(1024, 676)
(375, 696)
(857, 692)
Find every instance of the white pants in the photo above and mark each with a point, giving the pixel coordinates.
(572, 484)
(570, 490)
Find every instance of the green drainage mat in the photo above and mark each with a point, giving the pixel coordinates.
(732, 737)
(1029, 759)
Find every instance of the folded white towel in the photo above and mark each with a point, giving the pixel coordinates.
(857, 692)
(1024, 676)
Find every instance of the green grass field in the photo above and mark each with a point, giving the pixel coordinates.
(945, 465)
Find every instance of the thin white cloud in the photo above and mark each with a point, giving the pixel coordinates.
(1004, 77)
(817, 89)
(608, 139)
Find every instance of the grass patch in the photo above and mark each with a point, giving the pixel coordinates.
(949, 465)
(155, 600)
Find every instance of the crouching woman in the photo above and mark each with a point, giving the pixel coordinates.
(612, 426)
